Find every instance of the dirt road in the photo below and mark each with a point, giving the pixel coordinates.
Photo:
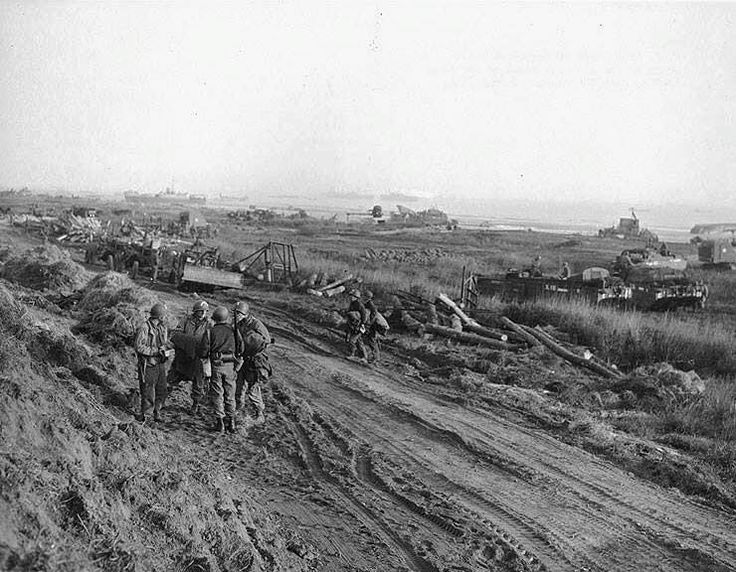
(371, 469)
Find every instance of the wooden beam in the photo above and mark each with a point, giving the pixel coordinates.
(469, 338)
(513, 326)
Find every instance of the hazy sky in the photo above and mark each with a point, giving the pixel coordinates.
(626, 102)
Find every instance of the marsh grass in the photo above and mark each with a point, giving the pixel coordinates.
(631, 339)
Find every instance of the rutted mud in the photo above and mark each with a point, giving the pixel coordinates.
(481, 490)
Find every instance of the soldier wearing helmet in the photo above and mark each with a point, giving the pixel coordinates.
(374, 326)
(218, 346)
(187, 365)
(151, 346)
(252, 339)
(357, 318)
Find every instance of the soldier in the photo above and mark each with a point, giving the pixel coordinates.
(536, 268)
(252, 339)
(565, 272)
(151, 346)
(218, 345)
(357, 317)
(187, 365)
(373, 327)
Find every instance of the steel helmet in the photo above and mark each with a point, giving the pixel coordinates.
(158, 310)
(368, 295)
(242, 308)
(353, 292)
(200, 306)
(220, 314)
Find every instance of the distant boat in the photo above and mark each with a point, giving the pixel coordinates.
(393, 197)
(165, 196)
(136, 197)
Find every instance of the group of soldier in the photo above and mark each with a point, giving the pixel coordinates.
(225, 359)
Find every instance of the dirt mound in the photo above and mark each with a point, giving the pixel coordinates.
(45, 267)
(81, 490)
(113, 308)
(651, 386)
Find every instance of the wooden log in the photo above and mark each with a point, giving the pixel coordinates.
(332, 291)
(469, 338)
(487, 332)
(410, 322)
(314, 292)
(335, 283)
(521, 332)
(455, 309)
(568, 355)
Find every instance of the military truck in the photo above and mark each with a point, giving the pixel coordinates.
(718, 253)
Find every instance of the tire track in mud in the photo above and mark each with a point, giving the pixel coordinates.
(512, 528)
(388, 536)
(641, 527)
(466, 526)
(635, 515)
(635, 536)
(669, 548)
(679, 547)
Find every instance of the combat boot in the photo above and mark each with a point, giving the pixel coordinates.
(220, 426)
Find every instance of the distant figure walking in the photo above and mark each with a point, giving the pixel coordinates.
(151, 346)
(536, 268)
(218, 345)
(254, 368)
(357, 317)
(376, 327)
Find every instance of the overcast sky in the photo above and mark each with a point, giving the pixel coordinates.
(628, 102)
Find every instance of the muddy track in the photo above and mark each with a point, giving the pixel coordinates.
(378, 470)
(561, 505)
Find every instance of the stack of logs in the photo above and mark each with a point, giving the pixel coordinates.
(422, 316)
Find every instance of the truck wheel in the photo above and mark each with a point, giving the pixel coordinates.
(134, 269)
(110, 262)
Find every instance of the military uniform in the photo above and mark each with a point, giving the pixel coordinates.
(187, 365)
(372, 330)
(253, 339)
(218, 344)
(357, 316)
(151, 341)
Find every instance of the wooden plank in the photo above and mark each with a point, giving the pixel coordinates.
(212, 276)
